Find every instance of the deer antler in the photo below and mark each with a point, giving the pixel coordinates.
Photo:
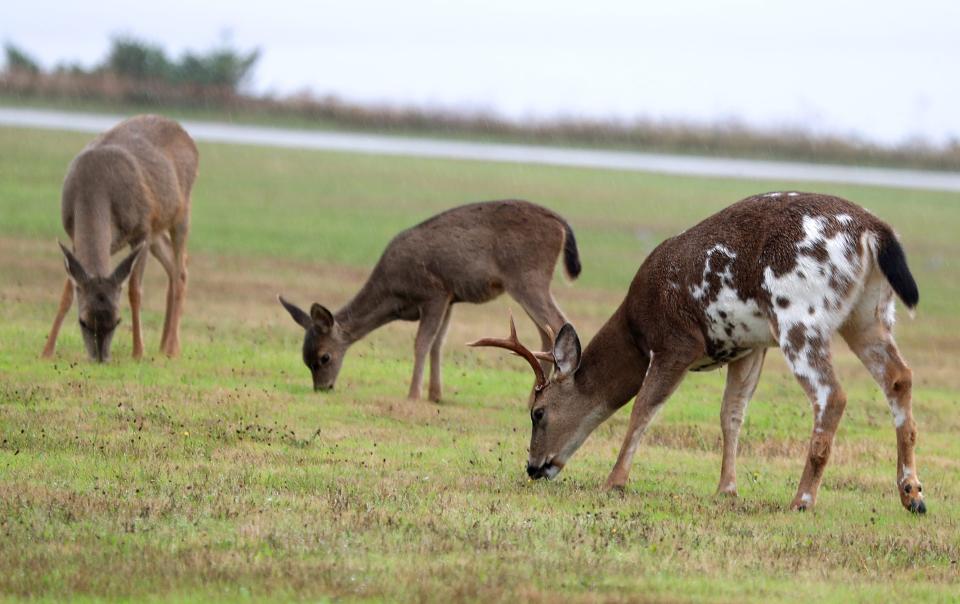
(513, 345)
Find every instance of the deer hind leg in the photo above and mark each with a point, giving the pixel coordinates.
(178, 238)
(874, 345)
(431, 319)
(808, 355)
(666, 371)
(136, 297)
(162, 249)
(66, 300)
(742, 378)
(538, 303)
(436, 382)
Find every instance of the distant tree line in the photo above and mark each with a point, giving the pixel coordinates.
(136, 71)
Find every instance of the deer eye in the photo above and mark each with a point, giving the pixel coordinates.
(537, 415)
(325, 359)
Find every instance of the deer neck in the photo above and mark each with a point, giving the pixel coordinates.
(371, 308)
(612, 367)
(93, 237)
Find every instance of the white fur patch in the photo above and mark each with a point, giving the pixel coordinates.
(899, 414)
(792, 194)
(806, 498)
(775, 194)
(844, 219)
(749, 326)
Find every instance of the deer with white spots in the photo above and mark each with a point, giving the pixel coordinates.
(780, 269)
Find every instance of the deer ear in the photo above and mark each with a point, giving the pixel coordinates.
(302, 319)
(123, 269)
(322, 317)
(76, 271)
(566, 350)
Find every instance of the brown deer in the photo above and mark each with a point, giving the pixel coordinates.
(129, 186)
(472, 253)
(780, 269)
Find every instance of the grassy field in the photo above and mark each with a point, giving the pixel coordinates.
(221, 476)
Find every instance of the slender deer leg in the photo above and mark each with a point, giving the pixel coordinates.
(538, 302)
(436, 382)
(431, 318)
(178, 236)
(875, 347)
(136, 296)
(742, 378)
(66, 300)
(162, 250)
(810, 360)
(664, 374)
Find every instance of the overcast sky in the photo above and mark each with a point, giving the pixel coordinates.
(880, 69)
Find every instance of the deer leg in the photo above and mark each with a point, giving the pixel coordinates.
(162, 249)
(808, 355)
(136, 296)
(664, 374)
(742, 378)
(178, 237)
(66, 300)
(436, 383)
(542, 309)
(875, 347)
(431, 318)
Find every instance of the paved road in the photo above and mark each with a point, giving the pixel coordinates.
(528, 154)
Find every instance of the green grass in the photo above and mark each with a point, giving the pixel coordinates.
(221, 476)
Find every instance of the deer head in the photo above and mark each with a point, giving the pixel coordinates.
(324, 343)
(98, 301)
(563, 413)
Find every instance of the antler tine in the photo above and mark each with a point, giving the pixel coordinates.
(513, 344)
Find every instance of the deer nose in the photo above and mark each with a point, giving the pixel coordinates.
(534, 472)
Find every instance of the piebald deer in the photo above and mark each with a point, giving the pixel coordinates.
(780, 269)
(472, 253)
(129, 186)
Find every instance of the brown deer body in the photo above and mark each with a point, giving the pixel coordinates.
(129, 187)
(780, 269)
(472, 253)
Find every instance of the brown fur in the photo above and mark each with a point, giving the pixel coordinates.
(472, 253)
(781, 269)
(129, 187)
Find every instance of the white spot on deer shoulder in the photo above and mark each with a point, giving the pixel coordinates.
(775, 194)
(844, 219)
(792, 194)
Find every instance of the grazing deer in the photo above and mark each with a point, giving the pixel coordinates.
(130, 186)
(780, 269)
(472, 253)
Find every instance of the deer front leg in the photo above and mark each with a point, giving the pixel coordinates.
(664, 374)
(178, 238)
(66, 300)
(136, 297)
(431, 318)
(742, 378)
(436, 383)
